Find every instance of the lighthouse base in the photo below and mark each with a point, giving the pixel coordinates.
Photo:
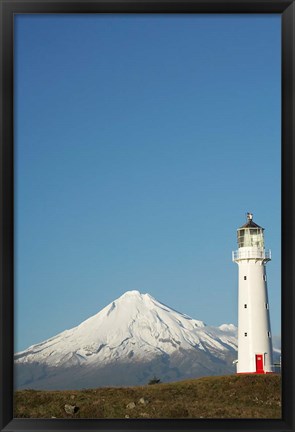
(254, 373)
(259, 364)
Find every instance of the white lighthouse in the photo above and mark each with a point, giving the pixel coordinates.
(254, 333)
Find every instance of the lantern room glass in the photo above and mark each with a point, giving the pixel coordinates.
(250, 237)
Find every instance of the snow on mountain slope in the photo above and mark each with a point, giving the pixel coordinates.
(135, 329)
(133, 325)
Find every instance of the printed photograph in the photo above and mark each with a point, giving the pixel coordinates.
(147, 216)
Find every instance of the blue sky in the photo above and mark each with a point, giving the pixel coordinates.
(140, 144)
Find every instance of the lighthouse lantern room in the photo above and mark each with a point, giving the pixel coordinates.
(254, 333)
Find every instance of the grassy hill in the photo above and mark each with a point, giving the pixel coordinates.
(233, 396)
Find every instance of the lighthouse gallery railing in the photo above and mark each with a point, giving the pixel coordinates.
(251, 254)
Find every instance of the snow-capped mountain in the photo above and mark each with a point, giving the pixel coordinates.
(127, 343)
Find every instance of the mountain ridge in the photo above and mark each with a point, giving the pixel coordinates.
(130, 339)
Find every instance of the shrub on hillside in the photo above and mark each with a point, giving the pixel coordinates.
(154, 380)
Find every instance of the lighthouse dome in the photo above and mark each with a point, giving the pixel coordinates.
(250, 224)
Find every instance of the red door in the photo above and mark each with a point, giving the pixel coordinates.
(259, 363)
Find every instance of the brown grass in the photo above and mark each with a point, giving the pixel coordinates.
(233, 396)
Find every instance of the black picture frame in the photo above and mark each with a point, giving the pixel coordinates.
(8, 9)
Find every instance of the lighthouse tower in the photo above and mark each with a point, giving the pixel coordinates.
(254, 333)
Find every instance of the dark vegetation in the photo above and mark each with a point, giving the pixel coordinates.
(154, 380)
(232, 396)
